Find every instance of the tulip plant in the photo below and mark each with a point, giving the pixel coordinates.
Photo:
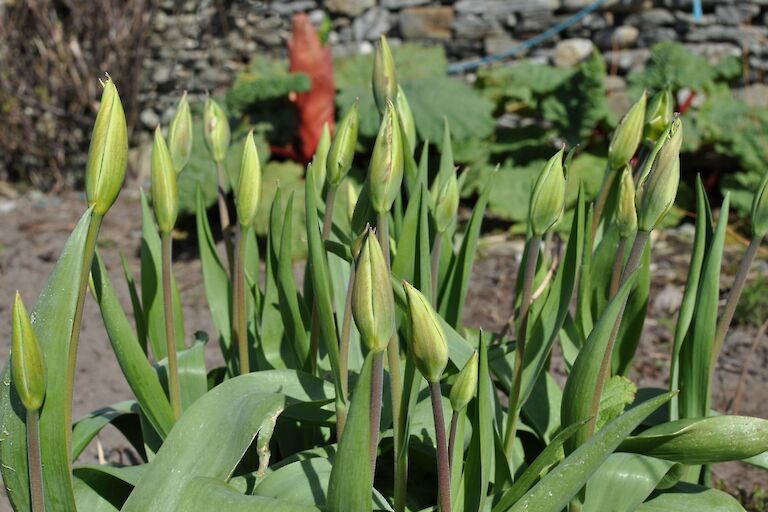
(361, 388)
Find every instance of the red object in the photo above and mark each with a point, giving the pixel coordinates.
(316, 106)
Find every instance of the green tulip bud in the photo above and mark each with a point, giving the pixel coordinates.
(384, 76)
(27, 364)
(548, 196)
(429, 346)
(108, 152)
(216, 130)
(320, 157)
(385, 172)
(180, 135)
(248, 183)
(373, 304)
(659, 114)
(357, 244)
(626, 215)
(447, 203)
(656, 191)
(627, 136)
(342, 150)
(165, 196)
(463, 390)
(406, 119)
(760, 209)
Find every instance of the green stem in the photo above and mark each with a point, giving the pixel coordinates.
(346, 326)
(170, 331)
(452, 437)
(74, 338)
(330, 200)
(377, 383)
(602, 198)
(617, 264)
(34, 461)
(436, 249)
(443, 468)
(226, 231)
(239, 316)
(529, 273)
(733, 297)
(411, 387)
(635, 255)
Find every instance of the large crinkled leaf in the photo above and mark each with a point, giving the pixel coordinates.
(139, 374)
(554, 491)
(213, 434)
(52, 320)
(205, 494)
(691, 497)
(625, 480)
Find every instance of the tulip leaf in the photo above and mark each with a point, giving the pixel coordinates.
(203, 494)
(691, 497)
(122, 415)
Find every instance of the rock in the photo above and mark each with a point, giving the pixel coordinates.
(651, 18)
(755, 95)
(149, 118)
(668, 300)
(619, 37)
(162, 75)
(751, 36)
(714, 52)
(613, 5)
(349, 7)
(474, 26)
(499, 43)
(614, 83)
(399, 4)
(649, 37)
(500, 7)
(535, 22)
(285, 8)
(426, 22)
(570, 53)
(628, 60)
(736, 14)
(371, 24)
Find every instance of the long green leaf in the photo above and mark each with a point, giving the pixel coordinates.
(52, 320)
(633, 318)
(123, 415)
(691, 497)
(205, 494)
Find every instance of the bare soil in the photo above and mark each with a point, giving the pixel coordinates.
(34, 228)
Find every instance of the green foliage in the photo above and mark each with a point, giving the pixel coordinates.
(265, 79)
(752, 310)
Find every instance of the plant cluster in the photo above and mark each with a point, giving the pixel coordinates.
(360, 388)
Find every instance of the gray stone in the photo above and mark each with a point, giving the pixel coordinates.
(613, 5)
(752, 36)
(474, 26)
(500, 7)
(399, 4)
(614, 83)
(426, 22)
(736, 14)
(668, 300)
(651, 36)
(714, 52)
(499, 43)
(570, 53)
(755, 95)
(535, 22)
(149, 118)
(619, 37)
(628, 60)
(349, 7)
(292, 7)
(651, 18)
(162, 74)
(371, 24)
(511, 20)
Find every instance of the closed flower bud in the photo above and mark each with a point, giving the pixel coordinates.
(428, 346)
(216, 130)
(447, 203)
(656, 192)
(357, 244)
(406, 119)
(373, 304)
(165, 196)
(627, 136)
(548, 197)
(248, 183)
(385, 173)
(108, 152)
(27, 364)
(384, 76)
(760, 209)
(659, 114)
(320, 157)
(180, 135)
(463, 390)
(343, 148)
(626, 215)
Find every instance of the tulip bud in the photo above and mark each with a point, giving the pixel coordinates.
(447, 203)
(627, 136)
(659, 114)
(406, 119)
(385, 172)
(320, 157)
(216, 130)
(248, 183)
(373, 304)
(548, 197)
(27, 364)
(108, 152)
(180, 135)
(429, 346)
(657, 190)
(343, 148)
(384, 76)
(165, 196)
(357, 244)
(464, 388)
(760, 210)
(626, 215)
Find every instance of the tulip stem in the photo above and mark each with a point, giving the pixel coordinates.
(239, 316)
(602, 198)
(346, 326)
(226, 231)
(377, 383)
(617, 265)
(443, 467)
(436, 250)
(529, 273)
(74, 338)
(733, 297)
(635, 255)
(34, 461)
(330, 200)
(170, 331)
(452, 437)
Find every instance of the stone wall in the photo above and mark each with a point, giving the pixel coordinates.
(200, 45)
